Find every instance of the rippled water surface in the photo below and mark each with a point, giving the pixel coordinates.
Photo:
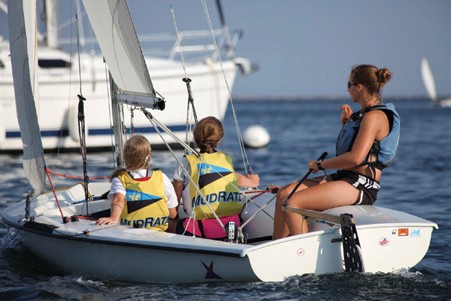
(419, 182)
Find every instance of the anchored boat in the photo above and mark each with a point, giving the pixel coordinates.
(61, 74)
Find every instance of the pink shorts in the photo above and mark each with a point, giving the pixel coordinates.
(207, 228)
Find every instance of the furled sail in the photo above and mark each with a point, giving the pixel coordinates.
(23, 47)
(115, 32)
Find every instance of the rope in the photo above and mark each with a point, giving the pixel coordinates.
(154, 123)
(132, 120)
(81, 124)
(259, 210)
(54, 194)
(179, 41)
(190, 102)
(246, 163)
(48, 171)
(186, 79)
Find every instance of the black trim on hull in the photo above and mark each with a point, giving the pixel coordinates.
(38, 227)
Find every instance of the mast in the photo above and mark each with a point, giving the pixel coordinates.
(118, 125)
(51, 18)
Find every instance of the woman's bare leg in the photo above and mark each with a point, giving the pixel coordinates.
(319, 197)
(280, 224)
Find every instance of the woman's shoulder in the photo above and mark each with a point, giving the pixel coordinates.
(375, 114)
(375, 120)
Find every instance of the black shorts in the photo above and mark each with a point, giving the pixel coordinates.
(367, 186)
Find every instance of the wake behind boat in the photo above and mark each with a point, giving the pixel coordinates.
(58, 225)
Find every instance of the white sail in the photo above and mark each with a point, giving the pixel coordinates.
(23, 46)
(119, 43)
(428, 79)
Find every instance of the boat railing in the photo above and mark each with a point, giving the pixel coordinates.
(192, 44)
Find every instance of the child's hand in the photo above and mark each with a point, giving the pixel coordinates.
(106, 221)
(254, 180)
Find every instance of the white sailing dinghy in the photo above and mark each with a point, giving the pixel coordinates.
(59, 225)
(429, 83)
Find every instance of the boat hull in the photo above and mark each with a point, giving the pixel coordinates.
(389, 241)
(57, 107)
(139, 263)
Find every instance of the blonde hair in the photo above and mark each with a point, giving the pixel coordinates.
(208, 133)
(136, 155)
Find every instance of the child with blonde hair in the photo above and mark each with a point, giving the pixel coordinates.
(141, 197)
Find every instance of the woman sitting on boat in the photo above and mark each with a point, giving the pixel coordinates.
(366, 145)
(141, 198)
(214, 185)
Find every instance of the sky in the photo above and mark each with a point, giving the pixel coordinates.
(307, 48)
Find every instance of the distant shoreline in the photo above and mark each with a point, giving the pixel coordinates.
(318, 98)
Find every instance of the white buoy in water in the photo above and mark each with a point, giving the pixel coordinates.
(256, 136)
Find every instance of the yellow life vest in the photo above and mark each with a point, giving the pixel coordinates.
(215, 177)
(146, 204)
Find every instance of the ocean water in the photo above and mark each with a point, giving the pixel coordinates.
(418, 182)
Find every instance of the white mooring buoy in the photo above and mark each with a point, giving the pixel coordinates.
(256, 136)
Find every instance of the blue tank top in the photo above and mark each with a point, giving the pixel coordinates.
(385, 149)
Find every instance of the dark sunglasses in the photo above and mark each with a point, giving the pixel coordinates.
(351, 84)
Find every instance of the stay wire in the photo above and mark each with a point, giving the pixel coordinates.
(158, 125)
(246, 163)
(186, 79)
(81, 124)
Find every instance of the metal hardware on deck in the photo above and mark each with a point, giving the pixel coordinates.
(231, 231)
(349, 237)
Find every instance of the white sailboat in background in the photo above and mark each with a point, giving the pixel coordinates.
(429, 83)
(59, 225)
(62, 76)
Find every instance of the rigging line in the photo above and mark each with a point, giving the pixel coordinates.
(186, 79)
(75, 177)
(251, 200)
(167, 130)
(79, 60)
(190, 101)
(258, 211)
(54, 194)
(154, 123)
(177, 34)
(81, 123)
(246, 163)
